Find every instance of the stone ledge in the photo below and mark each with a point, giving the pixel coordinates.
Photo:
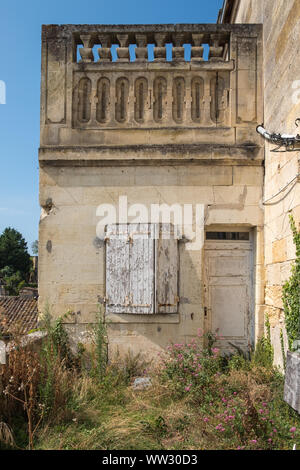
(151, 155)
(153, 66)
(144, 319)
(55, 30)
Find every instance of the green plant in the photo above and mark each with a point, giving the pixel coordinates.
(13, 280)
(291, 293)
(238, 362)
(55, 358)
(264, 352)
(282, 349)
(190, 368)
(156, 426)
(100, 346)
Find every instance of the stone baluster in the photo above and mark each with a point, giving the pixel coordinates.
(123, 51)
(178, 49)
(197, 48)
(86, 52)
(141, 51)
(160, 49)
(215, 50)
(105, 50)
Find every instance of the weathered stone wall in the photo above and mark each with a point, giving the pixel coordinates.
(281, 66)
(156, 132)
(72, 262)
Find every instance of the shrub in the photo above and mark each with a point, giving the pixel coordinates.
(291, 293)
(99, 338)
(264, 353)
(189, 367)
(238, 362)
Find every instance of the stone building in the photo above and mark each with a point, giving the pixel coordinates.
(162, 118)
(281, 103)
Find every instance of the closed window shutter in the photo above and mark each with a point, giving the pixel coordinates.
(117, 268)
(141, 262)
(130, 269)
(141, 269)
(167, 270)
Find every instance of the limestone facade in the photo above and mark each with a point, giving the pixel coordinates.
(130, 123)
(281, 85)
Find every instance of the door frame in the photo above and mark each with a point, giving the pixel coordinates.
(248, 245)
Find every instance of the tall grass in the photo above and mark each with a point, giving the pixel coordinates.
(197, 398)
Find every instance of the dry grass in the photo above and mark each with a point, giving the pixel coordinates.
(79, 411)
(6, 435)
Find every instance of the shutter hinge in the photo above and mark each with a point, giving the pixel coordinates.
(176, 301)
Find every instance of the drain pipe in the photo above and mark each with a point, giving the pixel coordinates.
(287, 140)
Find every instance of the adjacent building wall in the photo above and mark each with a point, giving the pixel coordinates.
(281, 70)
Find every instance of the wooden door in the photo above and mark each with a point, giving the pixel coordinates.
(227, 286)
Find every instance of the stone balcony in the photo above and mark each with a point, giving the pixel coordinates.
(150, 92)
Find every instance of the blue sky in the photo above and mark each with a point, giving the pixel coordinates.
(20, 32)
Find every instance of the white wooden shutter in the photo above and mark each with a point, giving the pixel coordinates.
(117, 268)
(141, 263)
(130, 269)
(167, 270)
(141, 269)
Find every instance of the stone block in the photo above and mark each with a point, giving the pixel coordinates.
(273, 296)
(279, 253)
(244, 175)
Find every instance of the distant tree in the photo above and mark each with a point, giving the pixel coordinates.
(14, 253)
(13, 280)
(35, 247)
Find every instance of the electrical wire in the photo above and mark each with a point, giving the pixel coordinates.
(281, 190)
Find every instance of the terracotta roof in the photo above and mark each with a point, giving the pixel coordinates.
(18, 313)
